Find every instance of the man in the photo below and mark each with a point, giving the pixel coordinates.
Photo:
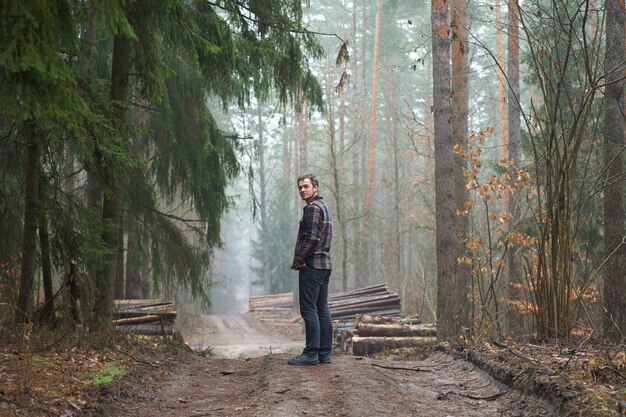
(312, 260)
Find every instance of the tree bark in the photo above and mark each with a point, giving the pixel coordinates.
(335, 166)
(265, 232)
(451, 302)
(460, 67)
(614, 129)
(395, 330)
(369, 345)
(47, 311)
(371, 149)
(119, 262)
(31, 196)
(515, 320)
(112, 202)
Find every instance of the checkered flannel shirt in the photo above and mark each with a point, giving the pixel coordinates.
(315, 234)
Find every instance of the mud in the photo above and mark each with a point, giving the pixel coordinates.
(249, 376)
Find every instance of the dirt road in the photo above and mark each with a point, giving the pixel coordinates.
(258, 383)
(239, 337)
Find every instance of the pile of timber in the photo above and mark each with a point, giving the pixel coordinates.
(376, 299)
(271, 302)
(148, 317)
(372, 334)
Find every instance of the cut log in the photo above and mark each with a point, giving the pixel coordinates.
(151, 329)
(152, 318)
(394, 330)
(145, 316)
(167, 316)
(411, 320)
(272, 301)
(364, 318)
(374, 289)
(370, 345)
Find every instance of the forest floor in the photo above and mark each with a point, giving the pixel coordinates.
(245, 373)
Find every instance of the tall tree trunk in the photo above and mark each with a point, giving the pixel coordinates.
(614, 129)
(265, 232)
(119, 262)
(514, 270)
(502, 127)
(335, 163)
(112, 202)
(451, 302)
(304, 137)
(286, 159)
(394, 174)
(339, 178)
(363, 43)
(31, 196)
(460, 66)
(137, 283)
(362, 262)
(297, 169)
(47, 311)
(357, 155)
(371, 156)
(371, 151)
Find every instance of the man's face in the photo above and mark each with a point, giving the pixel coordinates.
(306, 189)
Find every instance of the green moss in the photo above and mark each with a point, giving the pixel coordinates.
(106, 375)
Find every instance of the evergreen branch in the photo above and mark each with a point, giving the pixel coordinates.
(187, 222)
(273, 26)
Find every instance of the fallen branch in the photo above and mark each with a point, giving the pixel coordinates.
(513, 352)
(474, 397)
(401, 368)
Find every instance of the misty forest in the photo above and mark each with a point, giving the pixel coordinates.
(471, 152)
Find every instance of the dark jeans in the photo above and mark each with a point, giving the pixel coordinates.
(318, 326)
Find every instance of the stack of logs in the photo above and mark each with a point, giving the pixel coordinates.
(376, 299)
(271, 302)
(344, 306)
(148, 317)
(372, 334)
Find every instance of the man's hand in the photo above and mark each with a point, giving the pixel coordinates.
(298, 263)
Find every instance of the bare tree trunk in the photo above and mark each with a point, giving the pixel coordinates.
(296, 166)
(119, 262)
(451, 301)
(286, 159)
(339, 178)
(335, 164)
(265, 233)
(614, 128)
(304, 127)
(395, 174)
(112, 202)
(47, 311)
(502, 127)
(371, 154)
(359, 160)
(460, 67)
(515, 320)
(29, 246)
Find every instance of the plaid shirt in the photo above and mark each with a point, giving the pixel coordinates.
(315, 235)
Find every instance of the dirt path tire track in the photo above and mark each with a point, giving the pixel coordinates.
(193, 386)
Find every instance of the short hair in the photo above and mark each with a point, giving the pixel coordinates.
(308, 177)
